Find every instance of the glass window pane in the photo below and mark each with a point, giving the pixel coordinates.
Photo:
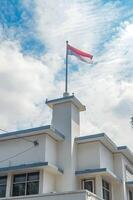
(88, 185)
(32, 188)
(33, 176)
(2, 190)
(130, 195)
(103, 194)
(26, 184)
(3, 180)
(19, 178)
(19, 189)
(106, 194)
(105, 184)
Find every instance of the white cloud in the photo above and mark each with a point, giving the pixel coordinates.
(24, 84)
(110, 98)
(83, 23)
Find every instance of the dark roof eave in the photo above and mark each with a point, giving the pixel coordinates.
(28, 166)
(34, 131)
(90, 171)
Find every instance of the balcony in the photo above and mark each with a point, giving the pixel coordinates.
(74, 195)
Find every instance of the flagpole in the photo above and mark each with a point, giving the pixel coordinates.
(66, 75)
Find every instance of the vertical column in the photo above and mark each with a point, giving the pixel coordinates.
(41, 182)
(98, 182)
(119, 170)
(112, 190)
(8, 188)
(48, 182)
(124, 182)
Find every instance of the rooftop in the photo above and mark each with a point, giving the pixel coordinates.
(48, 129)
(106, 141)
(65, 99)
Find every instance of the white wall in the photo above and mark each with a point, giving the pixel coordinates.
(48, 182)
(126, 164)
(77, 195)
(119, 170)
(106, 158)
(88, 155)
(10, 148)
(129, 176)
(66, 120)
(75, 123)
(61, 118)
(51, 150)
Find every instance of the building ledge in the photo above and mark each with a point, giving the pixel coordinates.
(102, 137)
(101, 171)
(126, 152)
(48, 129)
(80, 194)
(66, 99)
(40, 165)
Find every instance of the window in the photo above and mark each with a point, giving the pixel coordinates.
(106, 190)
(88, 184)
(3, 182)
(25, 184)
(130, 195)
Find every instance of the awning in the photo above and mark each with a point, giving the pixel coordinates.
(40, 165)
(48, 129)
(94, 172)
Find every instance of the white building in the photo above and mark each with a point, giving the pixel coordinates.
(54, 162)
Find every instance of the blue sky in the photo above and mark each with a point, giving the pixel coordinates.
(32, 54)
(14, 15)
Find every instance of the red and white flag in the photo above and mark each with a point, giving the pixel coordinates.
(83, 56)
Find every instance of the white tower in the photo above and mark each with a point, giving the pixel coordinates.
(66, 119)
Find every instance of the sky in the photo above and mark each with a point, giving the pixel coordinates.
(32, 63)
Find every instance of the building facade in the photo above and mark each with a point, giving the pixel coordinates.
(55, 162)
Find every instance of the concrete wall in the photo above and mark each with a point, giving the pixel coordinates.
(88, 155)
(119, 170)
(126, 164)
(75, 195)
(94, 155)
(106, 158)
(61, 118)
(46, 151)
(10, 148)
(129, 176)
(66, 120)
(48, 182)
(75, 123)
(51, 150)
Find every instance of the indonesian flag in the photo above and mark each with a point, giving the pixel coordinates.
(83, 56)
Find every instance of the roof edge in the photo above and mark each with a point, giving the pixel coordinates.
(86, 171)
(48, 129)
(31, 165)
(65, 99)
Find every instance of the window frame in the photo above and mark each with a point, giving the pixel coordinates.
(106, 189)
(25, 182)
(130, 193)
(4, 184)
(91, 180)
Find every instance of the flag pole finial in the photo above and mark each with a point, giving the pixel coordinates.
(66, 75)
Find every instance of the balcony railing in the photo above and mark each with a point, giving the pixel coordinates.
(74, 195)
(92, 196)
